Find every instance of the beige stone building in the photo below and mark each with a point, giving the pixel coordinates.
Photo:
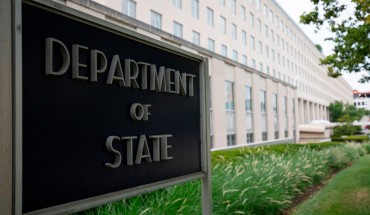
(264, 71)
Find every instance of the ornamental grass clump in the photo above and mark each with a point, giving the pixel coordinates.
(265, 184)
(257, 181)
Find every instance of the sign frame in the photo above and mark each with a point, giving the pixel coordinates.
(83, 204)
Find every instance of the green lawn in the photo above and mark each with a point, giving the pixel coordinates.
(347, 193)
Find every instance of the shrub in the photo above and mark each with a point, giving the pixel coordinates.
(366, 147)
(346, 129)
(260, 180)
(356, 139)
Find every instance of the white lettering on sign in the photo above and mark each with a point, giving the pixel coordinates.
(124, 73)
(159, 145)
(139, 111)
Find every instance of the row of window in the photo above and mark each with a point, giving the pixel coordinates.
(129, 8)
(230, 114)
(156, 21)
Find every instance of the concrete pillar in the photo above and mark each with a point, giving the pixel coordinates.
(307, 112)
(301, 111)
(6, 126)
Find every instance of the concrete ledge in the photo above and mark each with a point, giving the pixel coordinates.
(265, 143)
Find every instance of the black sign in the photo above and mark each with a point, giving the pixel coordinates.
(102, 112)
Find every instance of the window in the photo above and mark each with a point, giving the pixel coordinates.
(275, 112)
(231, 140)
(210, 20)
(263, 115)
(273, 55)
(266, 31)
(272, 35)
(177, 29)
(276, 21)
(177, 3)
(250, 135)
(222, 2)
(260, 47)
(235, 55)
(229, 94)
(233, 6)
(271, 16)
(267, 70)
(242, 12)
(285, 110)
(261, 67)
(277, 39)
(244, 37)
(265, 10)
(263, 101)
(196, 38)
(195, 8)
(252, 43)
(248, 99)
(224, 50)
(129, 8)
(251, 20)
(253, 63)
(156, 19)
(282, 25)
(249, 114)
(230, 113)
(259, 25)
(258, 4)
(211, 45)
(286, 30)
(245, 60)
(223, 24)
(267, 51)
(234, 32)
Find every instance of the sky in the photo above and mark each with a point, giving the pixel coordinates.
(294, 9)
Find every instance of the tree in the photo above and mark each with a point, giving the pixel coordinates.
(318, 46)
(340, 112)
(352, 35)
(336, 110)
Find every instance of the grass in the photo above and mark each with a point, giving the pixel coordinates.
(233, 154)
(347, 193)
(259, 180)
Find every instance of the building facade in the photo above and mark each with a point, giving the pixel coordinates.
(265, 76)
(361, 99)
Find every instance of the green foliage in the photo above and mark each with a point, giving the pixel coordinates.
(319, 47)
(260, 180)
(356, 139)
(346, 193)
(340, 112)
(346, 129)
(336, 109)
(352, 41)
